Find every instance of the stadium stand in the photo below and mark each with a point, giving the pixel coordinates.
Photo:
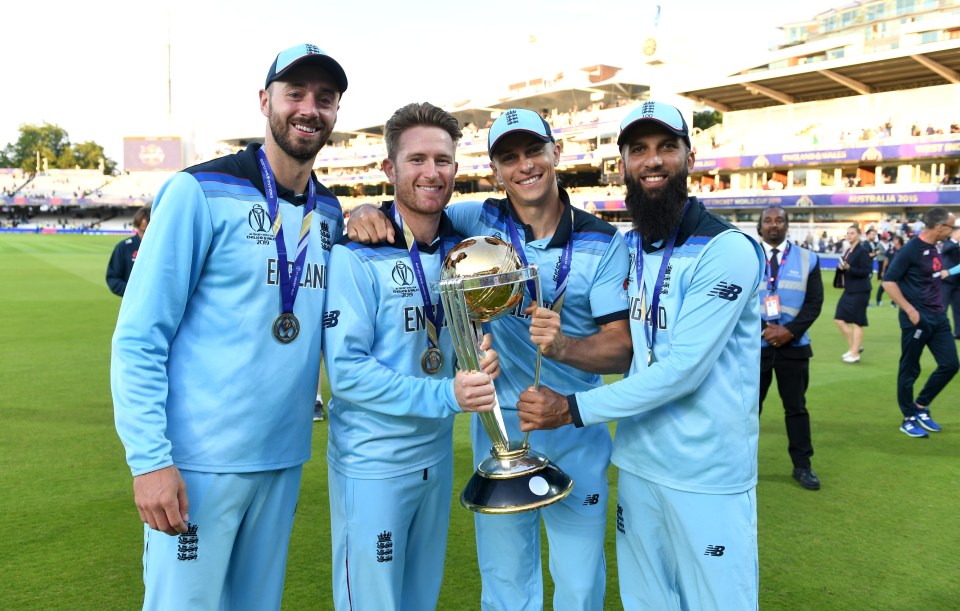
(854, 119)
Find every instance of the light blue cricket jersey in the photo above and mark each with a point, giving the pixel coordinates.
(198, 378)
(690, 420)
(387, 416)
(595, 295)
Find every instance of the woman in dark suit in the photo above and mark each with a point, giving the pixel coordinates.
(851, 316)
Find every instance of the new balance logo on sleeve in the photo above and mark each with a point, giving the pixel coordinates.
(726, 291)
(592, 499)
(331, 318)
(714, 550)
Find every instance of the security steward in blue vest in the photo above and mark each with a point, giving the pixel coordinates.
(790, 300)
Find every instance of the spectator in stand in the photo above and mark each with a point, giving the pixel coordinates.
(125, 254)
(950, 286)
(913, 283)
(851, 314)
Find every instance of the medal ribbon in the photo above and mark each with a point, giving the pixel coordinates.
(289, 283)
(566, 262)
(434, 321)
(773, 283)
(654, 311)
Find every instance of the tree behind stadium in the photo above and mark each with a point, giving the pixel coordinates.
(55, 151)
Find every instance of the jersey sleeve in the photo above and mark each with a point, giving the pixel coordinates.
(608, 298)
(465, 218)
(704, 324)
(355, 373)
(168, 267)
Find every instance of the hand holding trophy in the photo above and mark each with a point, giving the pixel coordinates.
(481, 280)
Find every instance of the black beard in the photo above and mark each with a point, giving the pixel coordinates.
(655, 217)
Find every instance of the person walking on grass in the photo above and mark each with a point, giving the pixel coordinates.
(913, 282)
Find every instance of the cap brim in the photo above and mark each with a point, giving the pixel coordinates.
(518, 130)
(321, 61)
(679, 133)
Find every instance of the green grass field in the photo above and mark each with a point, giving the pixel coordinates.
(883, 532)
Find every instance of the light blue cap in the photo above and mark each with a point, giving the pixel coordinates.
(306, 54)
(518, 120)
(658, 112)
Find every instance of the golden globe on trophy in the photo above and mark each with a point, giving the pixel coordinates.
(481, 280)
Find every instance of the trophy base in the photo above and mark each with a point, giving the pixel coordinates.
(521, 481)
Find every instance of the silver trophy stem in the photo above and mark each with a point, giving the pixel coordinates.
(536, 370)
(466, 335)
(513, 478)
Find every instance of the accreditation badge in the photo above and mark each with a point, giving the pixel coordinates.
(771, 304)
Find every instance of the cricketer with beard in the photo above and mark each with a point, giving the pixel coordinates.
(686, 442)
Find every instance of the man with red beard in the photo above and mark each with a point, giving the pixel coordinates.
(687, 413)
(212, 371)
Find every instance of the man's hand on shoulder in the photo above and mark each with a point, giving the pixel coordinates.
(368, 225)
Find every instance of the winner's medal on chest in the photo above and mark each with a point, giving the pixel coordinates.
(650, 330)
(431, 361)
(286, 327)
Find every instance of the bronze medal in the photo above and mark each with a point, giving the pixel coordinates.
(286, 328)
(431, 361)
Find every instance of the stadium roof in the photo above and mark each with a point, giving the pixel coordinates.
(906, 68)
(573, 90)
(563, 91)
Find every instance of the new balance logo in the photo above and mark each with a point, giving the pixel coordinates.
(620, 527)
(725, 291)
(592, 499)
(714, 550)
(331, 318)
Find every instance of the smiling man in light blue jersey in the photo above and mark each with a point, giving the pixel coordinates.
(393, 378)
(687, 429)
(217, 351)
(580, 321)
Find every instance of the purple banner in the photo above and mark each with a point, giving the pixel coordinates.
(874, 155)
(853, 200)
(152, 154)
(904, 199)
